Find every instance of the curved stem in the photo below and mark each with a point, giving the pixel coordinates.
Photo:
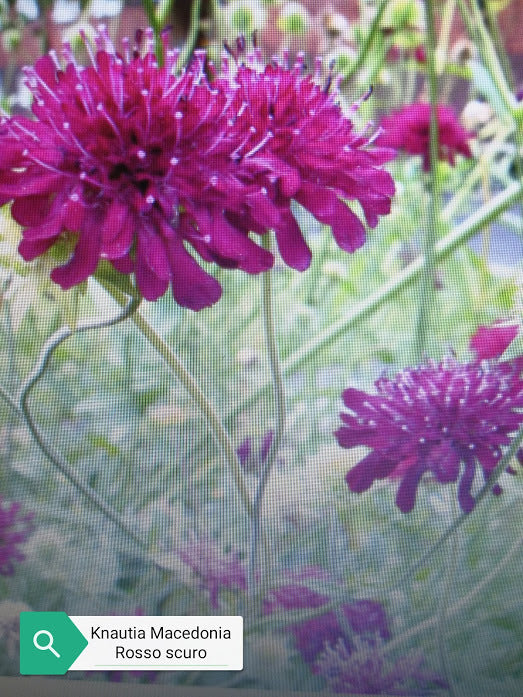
(211, 417)
(279, 399)
(21, 408)
(61, 335)
(426, 297)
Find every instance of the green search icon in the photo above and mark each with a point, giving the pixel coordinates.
(49, 645)
(40, 633)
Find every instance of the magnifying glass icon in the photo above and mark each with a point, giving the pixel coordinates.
(45, 647)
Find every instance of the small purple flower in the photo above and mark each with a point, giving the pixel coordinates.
(366, 618)
(444, 419)
(15, 529)
(491, 342)
(408, 129)
(366, 670)
(214, 568)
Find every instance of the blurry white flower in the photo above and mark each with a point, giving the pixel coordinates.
(105, 8)
(65, 11)
(27, 8)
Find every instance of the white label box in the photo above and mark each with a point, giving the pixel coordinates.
(160, 643)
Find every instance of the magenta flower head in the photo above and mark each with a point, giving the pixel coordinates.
(367, 670)
(297, 144)
(15, 529)
(213, 568)
(127, 162)
(122, 161)
(409, 129)
(445, 419)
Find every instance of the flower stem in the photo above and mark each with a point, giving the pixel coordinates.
(457, 607)
(21, 407)
(369, 40)
(426, 296)
(442, 614)
(405, 278)
(473, 21)
(190, 384)
(279, 399)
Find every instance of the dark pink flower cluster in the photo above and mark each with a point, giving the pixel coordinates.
(15, 529)
(445, 419)
(351, 657)
(408, 129)
(214, 569)
(367, 670)
(126, 161)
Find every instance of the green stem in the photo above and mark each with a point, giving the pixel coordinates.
(444, 248)
(279, 399)
(369, 40)
(163, 11)
(194, 28)
(150, 11)
(21, 408)
(426, 296)
(442, 614)
(211, 417)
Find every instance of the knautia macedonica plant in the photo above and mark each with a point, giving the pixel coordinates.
(443, 419)
(126, 161)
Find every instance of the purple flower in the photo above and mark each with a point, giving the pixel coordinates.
(126, 162)
(491, 342)
(15, 529)
(365, 617)
(366, 670)
(445, 419)
(215, 570)
(297, 144)
(408, 129)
